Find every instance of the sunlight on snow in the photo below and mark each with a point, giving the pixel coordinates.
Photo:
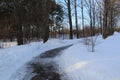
(74, 67)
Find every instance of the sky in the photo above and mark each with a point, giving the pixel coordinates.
(73, 16)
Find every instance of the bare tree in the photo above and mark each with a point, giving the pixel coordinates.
(82, 12)
(105, 20)
(76, 19)
(109, 17)
(70, 18)
(92, 19)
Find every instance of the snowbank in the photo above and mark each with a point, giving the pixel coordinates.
(13, 58)
(103, 64)
(76, 62)
(7, 44)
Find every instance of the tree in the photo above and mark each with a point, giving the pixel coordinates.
(76, 19)
(6, 12)
(70, 19)
(67, 5)
(30, 17)
(82, 12)
(91, 6)
(109, 17)
(105, 20)
(56, 17)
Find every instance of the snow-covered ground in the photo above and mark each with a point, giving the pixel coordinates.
(11, 59)
(103, 64)
(7, 44)
(76, 62)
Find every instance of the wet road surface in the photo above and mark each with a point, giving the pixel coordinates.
(44, 66)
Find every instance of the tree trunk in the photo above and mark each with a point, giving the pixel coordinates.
(19, 34)
(76, 20)
(45, 22)
(46, 33)
(70, 19)
(82, 18)
(91, 19)
(105, 21)
(94, 18)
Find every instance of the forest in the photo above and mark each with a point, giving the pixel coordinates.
(35, 20)
(59, 39)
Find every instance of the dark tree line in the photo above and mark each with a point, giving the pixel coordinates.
(26, 19)
(110, 16)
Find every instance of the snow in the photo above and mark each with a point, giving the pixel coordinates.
(103, 64)
(76, 62)
(11, 59)
(7, 44)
